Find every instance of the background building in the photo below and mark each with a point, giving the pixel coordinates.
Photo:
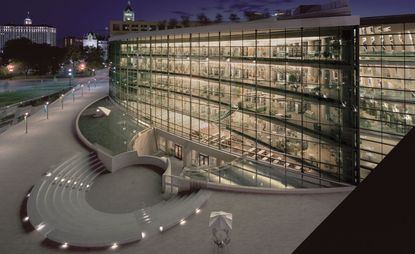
(129, 14)
(72, 41)
(91, 40)
(36, 33)
(129, 24)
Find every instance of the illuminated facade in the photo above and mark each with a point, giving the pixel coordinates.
(280, 92)
(387, 85)
(36, 33)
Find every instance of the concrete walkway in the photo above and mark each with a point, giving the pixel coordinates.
(262, 223)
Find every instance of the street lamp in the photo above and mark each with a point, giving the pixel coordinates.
(47, 109)
(62, 97)
(25, 120)
(10, 68)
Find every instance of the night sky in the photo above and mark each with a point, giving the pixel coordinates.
(77, 17)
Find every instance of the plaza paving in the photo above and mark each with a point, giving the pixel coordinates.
(262, 223)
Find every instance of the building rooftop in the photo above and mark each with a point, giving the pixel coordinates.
(387, 19)
(32, 25)
(270, 23)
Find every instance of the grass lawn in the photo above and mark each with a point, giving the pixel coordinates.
(113, 132)
(9, 98)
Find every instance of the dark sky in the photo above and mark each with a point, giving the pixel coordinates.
(77, 17)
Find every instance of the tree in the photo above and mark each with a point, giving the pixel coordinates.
(185, 21)
(39, 58)
(73, 53)
(173, 23)
(162, 25)
(203, 19)
(233, 17)
(218, 18)
(20, 50)
(93, 57)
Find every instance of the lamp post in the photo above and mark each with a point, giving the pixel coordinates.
(47, 109)
(70, 76)
(73, 95)
(25, 120)
(82, 90)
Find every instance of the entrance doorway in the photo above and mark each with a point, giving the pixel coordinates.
(178, 153)
(203, 159)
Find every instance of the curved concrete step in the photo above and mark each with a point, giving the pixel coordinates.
(57, 208)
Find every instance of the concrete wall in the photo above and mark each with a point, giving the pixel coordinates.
(145, 142)
(185, 185)
(114, 163)
(189, 145)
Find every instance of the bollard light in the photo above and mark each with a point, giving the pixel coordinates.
(25, 120)
(47, 109)
(62, 98)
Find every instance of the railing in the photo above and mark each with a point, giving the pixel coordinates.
(243, 172)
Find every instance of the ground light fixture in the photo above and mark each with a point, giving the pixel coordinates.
(161, 228)
(143, 235)
(114, 246)
(197, 211)
(40, 226)
(182, 222)
(73, 94)
(26, 219)
(64, 245)
(82, 90)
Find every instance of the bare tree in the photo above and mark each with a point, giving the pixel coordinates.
(173, 23)
(185, 21)
(162, 25)
(219, 18)
(203, 19)
(234, 17)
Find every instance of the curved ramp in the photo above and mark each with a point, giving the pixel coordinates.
(58, 209)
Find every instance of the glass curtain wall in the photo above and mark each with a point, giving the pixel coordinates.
(285, 97)
(387, 89)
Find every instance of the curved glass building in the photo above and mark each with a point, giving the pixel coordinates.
(281, 92)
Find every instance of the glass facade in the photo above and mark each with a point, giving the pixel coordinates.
(387, 87)
(287, 97)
